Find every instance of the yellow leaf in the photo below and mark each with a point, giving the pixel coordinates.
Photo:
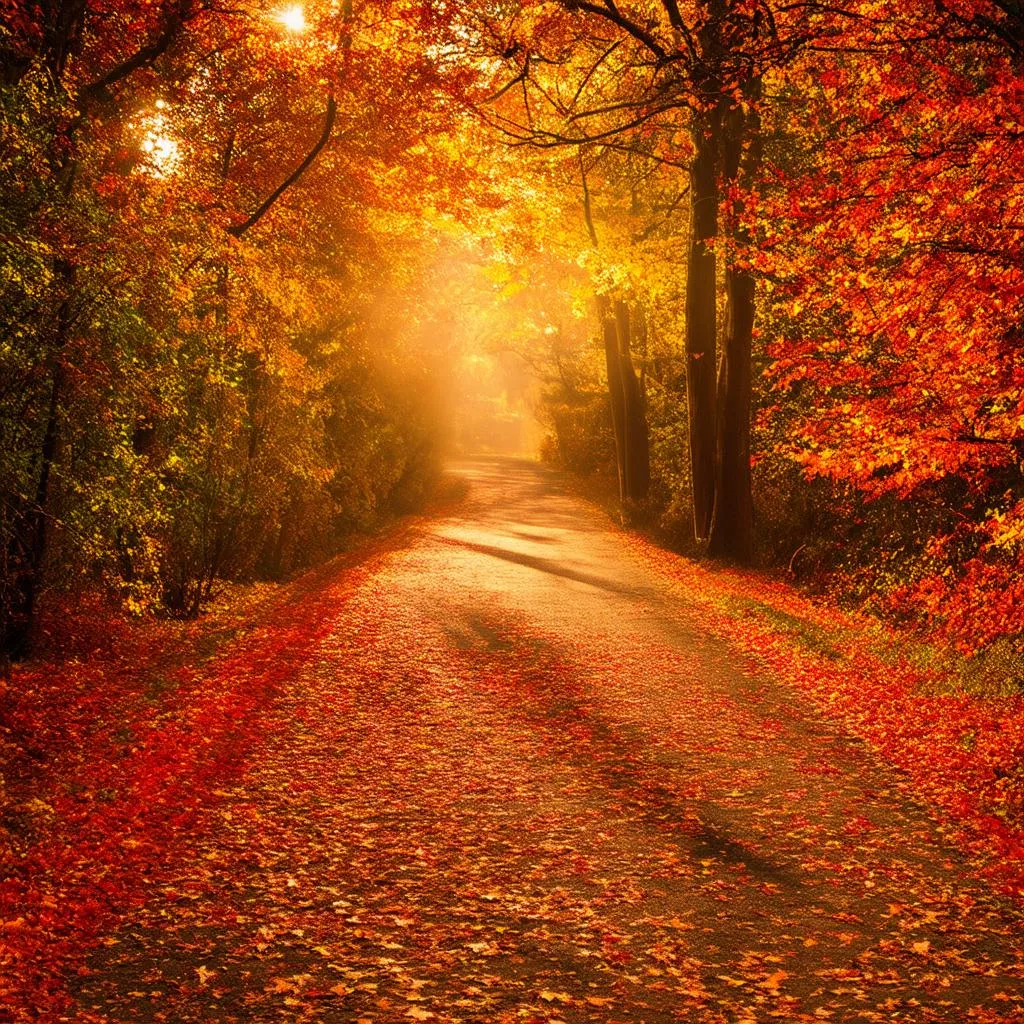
(774, 980)
(555, 997)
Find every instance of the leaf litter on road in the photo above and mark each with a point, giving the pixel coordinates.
(461, 788)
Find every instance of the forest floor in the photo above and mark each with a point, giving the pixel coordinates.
(508, 764)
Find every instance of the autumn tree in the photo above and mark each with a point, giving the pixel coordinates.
(201, 227)
(660, 70)
(56, 85)
(893, 242)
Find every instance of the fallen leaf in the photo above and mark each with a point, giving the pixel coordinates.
(555, 997)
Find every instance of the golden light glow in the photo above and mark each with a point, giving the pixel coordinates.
(161, 148)
(163, 153)
(293, 18)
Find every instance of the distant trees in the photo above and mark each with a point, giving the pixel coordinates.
(618, 323)
(626, 400)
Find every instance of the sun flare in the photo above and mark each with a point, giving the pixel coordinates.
(161, 149)
(292, 18)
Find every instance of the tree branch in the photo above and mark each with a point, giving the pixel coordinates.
(677, 23)
(588, 213)
(180, 15)
(611, 13)
(240, 229)
(512, 83)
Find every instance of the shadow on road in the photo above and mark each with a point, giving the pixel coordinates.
(618, 753)
(550, 566)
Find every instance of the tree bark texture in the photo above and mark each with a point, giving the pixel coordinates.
(701, 314)
(629, 416)
(616, 394)
(636, 442)
(732, 529)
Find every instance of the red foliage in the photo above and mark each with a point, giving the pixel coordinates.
(893, 233)
(129, 744)
(962, 754)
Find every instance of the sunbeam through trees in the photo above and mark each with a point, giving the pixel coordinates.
(511, 511)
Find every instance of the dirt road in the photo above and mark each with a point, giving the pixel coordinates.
(517, 781)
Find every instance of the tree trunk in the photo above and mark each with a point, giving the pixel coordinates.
(27, 552)
(629, 416)
(732, 529)
(616, 393)
(733, 520)
(636, 442)
(701, 316)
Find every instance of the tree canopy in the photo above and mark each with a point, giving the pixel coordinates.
(759, 260)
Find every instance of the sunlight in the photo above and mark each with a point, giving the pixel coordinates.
(162, 151)
(292, 18)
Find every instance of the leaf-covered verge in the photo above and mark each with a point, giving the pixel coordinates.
(112, 744)
(953, 723)
(963, 751)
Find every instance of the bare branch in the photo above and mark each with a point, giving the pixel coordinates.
(611, 13)
(240, 229)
